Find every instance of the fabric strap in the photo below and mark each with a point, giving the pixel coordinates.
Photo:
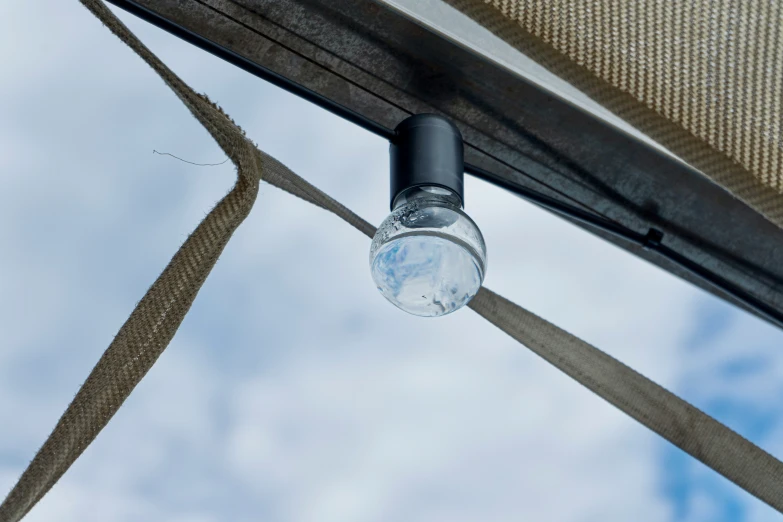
(158, 315)
(685, 426)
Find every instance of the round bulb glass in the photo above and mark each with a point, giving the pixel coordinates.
(428, 257)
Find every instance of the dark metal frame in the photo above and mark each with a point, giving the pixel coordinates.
(544, 150)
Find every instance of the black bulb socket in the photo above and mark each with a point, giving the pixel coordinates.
(427, 150)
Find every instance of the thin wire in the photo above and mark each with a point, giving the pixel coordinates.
(186, 161)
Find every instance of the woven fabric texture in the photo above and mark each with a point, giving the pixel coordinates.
(704, 78)
(153, 323)
(685, 426)
(156, 318)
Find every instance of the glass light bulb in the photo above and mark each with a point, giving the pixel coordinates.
(428, 257)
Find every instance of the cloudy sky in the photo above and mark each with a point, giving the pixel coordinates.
(294, 391)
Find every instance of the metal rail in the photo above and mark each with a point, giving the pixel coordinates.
(652, 240)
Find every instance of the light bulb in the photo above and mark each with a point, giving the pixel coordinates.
(428, 257)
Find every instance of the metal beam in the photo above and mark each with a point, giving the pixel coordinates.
(374, 66)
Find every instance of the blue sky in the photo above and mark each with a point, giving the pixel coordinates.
(293, 391)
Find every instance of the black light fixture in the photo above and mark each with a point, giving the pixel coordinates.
(428, 257)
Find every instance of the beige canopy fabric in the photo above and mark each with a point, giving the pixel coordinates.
(703, 78)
